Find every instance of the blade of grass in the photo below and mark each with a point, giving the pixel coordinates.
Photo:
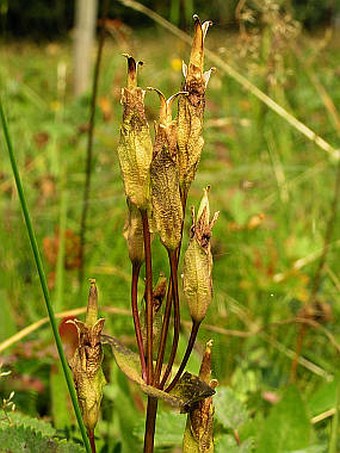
(42, 277)
(240, 79)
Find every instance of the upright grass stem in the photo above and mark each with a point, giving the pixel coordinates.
(42, 278)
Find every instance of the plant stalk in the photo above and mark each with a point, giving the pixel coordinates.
(148, 297)
(150, 425)
(190, 345)
(134, 305)
(164, 334)
(177, 320)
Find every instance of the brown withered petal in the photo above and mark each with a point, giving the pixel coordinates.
(135, 145)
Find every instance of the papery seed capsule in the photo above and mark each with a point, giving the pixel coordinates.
(166, 199)
(191, 108)
(135, 145)
(197, 281)
(86, 360)
(133, 233)
(199, 431)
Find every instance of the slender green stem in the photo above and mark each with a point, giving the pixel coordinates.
(134, 305)
(42, 278)
(164, 334)
(190, 345)
(89, 151)
(150, 424)
(177, 320)
(148, 297)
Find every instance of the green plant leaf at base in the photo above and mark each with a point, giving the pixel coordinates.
(229, 410)
(287, 428)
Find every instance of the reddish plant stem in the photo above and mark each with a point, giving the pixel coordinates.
(148, 297)
(150, 424)
(90, 433)
(134, 306)
(164, 334)
(177, 320)
(190, 345)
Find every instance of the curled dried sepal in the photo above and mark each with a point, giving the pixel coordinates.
(133, 233)
(199, 431)
(135, 145)
(191, 108)
(85, 359)
(197, 281)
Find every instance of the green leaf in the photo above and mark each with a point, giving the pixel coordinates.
(227, 443)
(287, 428)
(229, 410)
(189, 390)
(323, 399)
(169, 429)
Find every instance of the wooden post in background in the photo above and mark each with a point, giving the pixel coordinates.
(85, 27)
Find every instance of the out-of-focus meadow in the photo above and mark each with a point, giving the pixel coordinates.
(275, 315)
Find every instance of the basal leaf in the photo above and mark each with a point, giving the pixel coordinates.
(229, 410)
(287, 428)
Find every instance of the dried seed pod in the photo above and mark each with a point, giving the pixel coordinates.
(133, 233)
(86, 360)
(166, 199)
(191, 108)
(199, 431)
(135, 145)
(197, 281)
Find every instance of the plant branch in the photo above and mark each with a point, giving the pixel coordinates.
(89, 151)
(42, 278)
(177, 320)
(135, 315)
(190, 345)
(148, 297)
(164, 334)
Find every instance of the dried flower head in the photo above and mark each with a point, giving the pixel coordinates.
(85, 358)
(197, 281)
(199, 432)
(191, 108)
(166, 199)
(135, 146)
